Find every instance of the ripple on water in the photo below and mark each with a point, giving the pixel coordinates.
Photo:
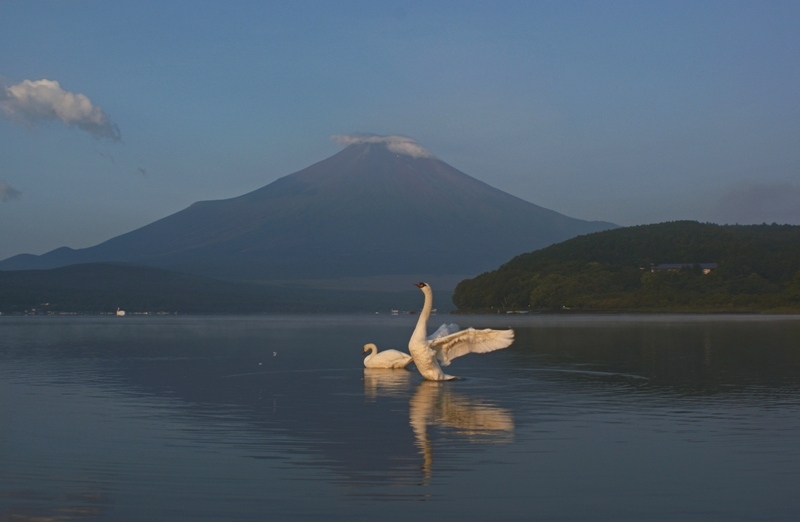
(584, 419)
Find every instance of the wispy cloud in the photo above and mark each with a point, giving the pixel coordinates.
(395, 143)
(760, 203)
(31, 102)
(7, 193)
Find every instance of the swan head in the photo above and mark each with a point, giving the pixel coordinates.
(368, 347)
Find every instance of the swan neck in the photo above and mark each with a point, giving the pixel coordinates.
(422, 323)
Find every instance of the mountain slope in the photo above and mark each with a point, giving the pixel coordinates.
(365, 211)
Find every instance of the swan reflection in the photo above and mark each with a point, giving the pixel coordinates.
(435, 404)
(379, 382)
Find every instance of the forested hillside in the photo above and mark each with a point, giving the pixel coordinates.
(758, 269)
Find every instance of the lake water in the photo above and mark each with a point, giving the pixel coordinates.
(274, 418)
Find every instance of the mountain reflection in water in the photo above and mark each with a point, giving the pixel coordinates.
(603, 418)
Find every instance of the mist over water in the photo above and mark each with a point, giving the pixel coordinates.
(253, 418)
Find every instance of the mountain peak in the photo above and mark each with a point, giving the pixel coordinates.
(394, 143)
(383, 206)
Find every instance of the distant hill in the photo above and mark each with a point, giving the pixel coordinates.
(758, 268)
(366, 211)
(102, 288)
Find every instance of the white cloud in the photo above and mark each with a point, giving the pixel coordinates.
(30, 102)
(7, 193)
(395, 143)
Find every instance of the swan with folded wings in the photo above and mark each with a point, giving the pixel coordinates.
(447, 343)
(386, 359)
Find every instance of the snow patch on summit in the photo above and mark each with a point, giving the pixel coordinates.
(395, 143)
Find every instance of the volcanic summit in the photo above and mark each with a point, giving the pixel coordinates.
(381, 206)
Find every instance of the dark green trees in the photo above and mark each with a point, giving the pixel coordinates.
(757, 269)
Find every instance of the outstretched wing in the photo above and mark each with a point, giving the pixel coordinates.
(444, 330)
(470, 341)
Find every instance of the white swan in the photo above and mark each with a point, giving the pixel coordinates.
(384, 359)
(444, 346)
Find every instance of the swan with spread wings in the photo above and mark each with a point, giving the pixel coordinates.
(448, 342)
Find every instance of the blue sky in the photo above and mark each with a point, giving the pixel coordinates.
(631, 112)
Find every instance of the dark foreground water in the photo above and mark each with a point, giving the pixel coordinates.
(273, 418)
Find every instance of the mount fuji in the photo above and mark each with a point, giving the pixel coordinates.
(381, 207)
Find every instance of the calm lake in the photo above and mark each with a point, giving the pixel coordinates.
(274, 418)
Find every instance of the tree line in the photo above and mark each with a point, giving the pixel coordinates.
(758, 269)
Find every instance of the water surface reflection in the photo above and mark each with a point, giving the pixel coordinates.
(435, 405)
(379, 382)
(438, 405)
(249, 418)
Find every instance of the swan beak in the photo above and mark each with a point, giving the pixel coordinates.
(419, 285)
